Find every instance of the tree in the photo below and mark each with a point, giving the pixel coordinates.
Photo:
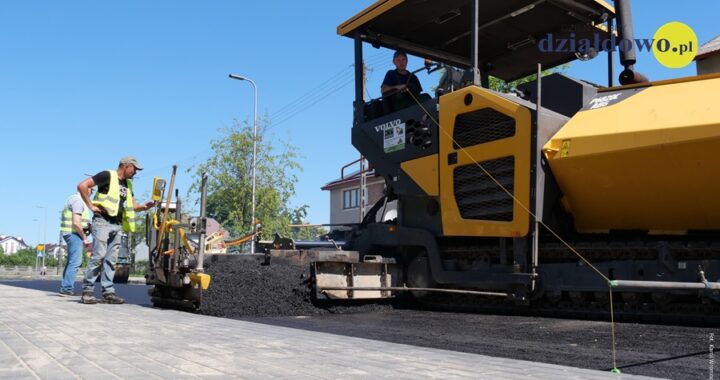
(311, 232)
(25, 257)
(500, 85)
(229, 170)
(139, 236)
(140, 267)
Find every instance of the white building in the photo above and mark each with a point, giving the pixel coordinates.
(11, 244)
(707, 59)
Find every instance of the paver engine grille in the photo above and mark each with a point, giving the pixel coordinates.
(478, 196)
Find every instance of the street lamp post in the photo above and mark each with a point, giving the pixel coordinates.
(44, 234)
(38, 237)
(252, 220)
(60, 251)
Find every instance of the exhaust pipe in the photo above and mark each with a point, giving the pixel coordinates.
(627, 53)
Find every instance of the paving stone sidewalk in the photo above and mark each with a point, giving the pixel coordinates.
(43, 336)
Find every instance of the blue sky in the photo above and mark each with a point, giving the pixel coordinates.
(87, 82)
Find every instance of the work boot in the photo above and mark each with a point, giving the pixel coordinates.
(112, 298)
(88, 298)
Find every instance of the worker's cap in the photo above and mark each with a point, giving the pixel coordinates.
(132, 161)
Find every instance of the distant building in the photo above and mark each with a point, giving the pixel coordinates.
(345, 195)
(212, 226)
(707, 59)
(55, 250)
(11, 244)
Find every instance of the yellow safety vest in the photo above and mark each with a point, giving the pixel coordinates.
(111, 201)
(66, 226)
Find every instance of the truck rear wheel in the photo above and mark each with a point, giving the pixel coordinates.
(419, 276)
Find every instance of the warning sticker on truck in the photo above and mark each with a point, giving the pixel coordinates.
(394, 138)
(565, 149)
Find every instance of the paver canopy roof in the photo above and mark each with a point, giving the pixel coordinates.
(509, 30)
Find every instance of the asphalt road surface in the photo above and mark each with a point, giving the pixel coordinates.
(652, 350)
(677, 352)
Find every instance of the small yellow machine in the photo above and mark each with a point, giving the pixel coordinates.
(175, 268)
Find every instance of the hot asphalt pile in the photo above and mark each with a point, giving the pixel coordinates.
(245, 287)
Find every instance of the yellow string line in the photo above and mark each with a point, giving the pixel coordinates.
(612, 327)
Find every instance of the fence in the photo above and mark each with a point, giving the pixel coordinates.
(138, 269)
(20, 269)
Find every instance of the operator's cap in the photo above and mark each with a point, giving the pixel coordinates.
(131, 160)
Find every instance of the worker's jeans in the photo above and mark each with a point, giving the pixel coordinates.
(74, 259)
(106, 246)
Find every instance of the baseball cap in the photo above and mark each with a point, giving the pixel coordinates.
(131, 160)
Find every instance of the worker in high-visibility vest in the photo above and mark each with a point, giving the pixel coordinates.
(74, 226)
(114, 212)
